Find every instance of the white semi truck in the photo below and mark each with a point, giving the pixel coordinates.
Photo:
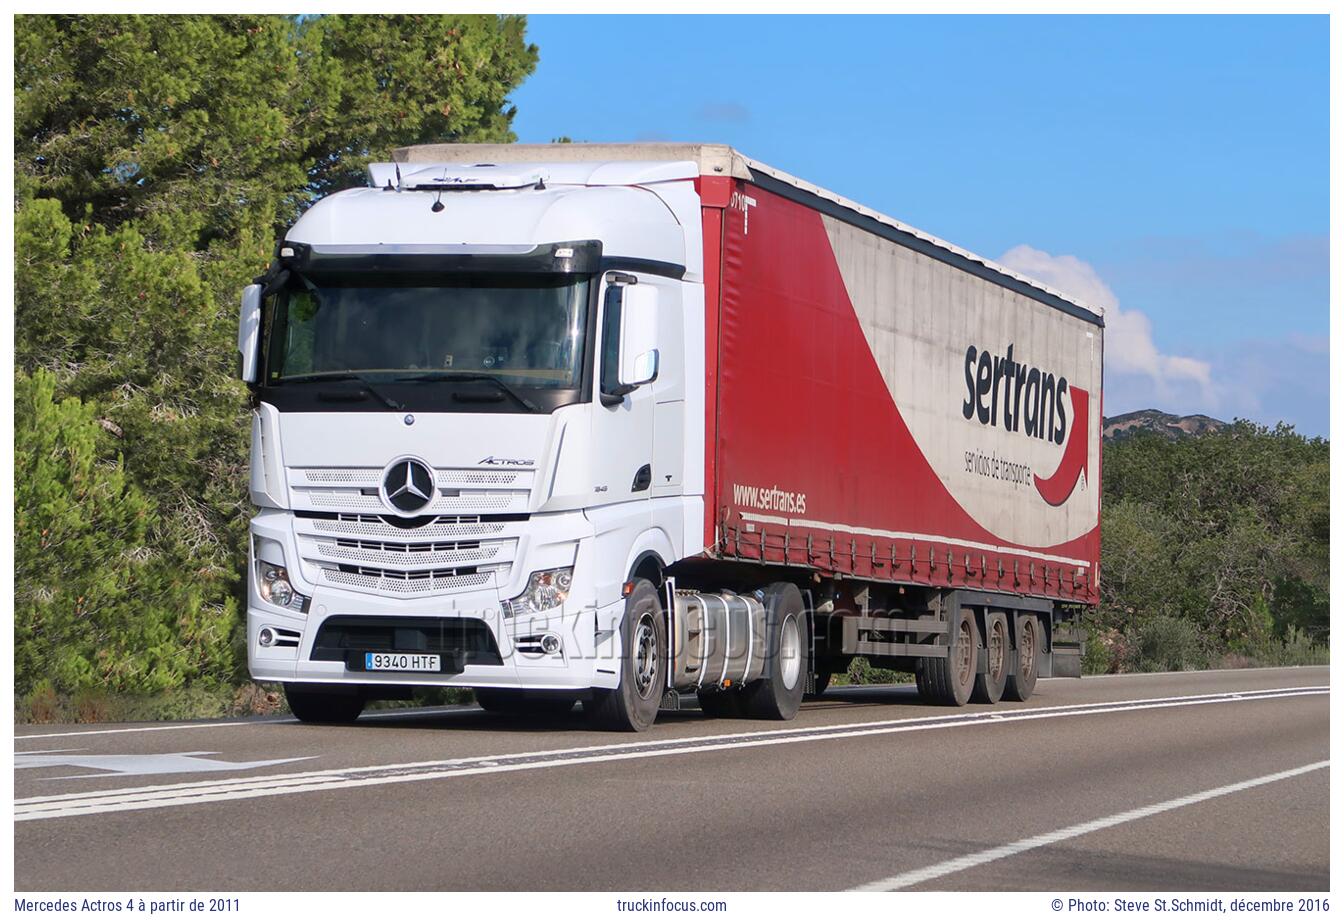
(609, 423)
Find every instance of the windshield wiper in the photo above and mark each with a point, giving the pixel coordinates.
(368, 385)
(440, 376)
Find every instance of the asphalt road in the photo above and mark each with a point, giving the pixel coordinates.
(1167, 782)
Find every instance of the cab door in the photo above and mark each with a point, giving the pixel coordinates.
(623, 419)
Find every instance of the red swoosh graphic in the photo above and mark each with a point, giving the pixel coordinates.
(1057, 488)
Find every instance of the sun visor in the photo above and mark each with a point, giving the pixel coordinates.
(448, 176)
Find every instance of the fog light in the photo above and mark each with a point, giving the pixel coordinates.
(266, 638)
(550, 643)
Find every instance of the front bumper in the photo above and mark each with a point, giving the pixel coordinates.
(583, 660)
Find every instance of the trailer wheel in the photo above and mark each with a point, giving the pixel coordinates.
(998, 649)
(523, 703)
(779, 693)
(633, 705)
(723, 704)
(922, 679)
(1027, 657)
(950, 680)
(311, 704)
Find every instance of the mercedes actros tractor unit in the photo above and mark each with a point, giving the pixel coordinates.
(614, 424)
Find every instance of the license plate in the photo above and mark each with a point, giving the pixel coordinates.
(400, 661)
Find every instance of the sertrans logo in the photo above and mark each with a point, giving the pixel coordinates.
(1033, 403)
(1033, 400)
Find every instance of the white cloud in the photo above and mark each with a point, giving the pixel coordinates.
(1130, 349)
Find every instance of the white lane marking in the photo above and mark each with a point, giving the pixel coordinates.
(140, 764)
(144, 728)
(163, 796)
(970, 861)
(283, 720)
(409, 712)
(848, 728)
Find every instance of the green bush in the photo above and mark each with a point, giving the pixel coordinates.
(43, 705)
(1167, 643)
(1295, 648)
(861, 671)
(1104, 652)
(94, 605)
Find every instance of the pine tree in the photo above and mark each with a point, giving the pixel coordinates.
(156, 159)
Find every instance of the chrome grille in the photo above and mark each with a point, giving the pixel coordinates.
(445, 554)
(371, 525)
(326, 476)
(410, 556)
(370, 580)
(466, 491)
(451, 478)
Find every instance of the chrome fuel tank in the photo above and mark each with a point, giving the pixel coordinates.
(717, 640)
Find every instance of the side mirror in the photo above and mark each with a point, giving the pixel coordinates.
(249, 329)
(629, 340)
(639, 336)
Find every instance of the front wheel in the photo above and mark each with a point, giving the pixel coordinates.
(312, 704)
(633, 705)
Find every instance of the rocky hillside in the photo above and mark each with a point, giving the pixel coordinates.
(1164, 423)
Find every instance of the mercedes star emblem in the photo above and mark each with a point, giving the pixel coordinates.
(408, 485)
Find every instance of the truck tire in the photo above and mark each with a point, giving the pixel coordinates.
(633, 705)
(949, 681)
(312, 704)
(779, 693)
(523, 703)
(723, 704)
(998, 651)
(1026, 656)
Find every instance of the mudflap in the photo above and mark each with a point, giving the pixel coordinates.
(1065, 658)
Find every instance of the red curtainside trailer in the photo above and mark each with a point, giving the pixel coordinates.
(885, 406)
(917, 428)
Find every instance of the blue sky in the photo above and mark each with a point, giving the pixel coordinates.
(1174, 168)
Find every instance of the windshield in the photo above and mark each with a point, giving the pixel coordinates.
(526, 330)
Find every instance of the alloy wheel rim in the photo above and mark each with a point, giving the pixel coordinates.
(965, 654)
(997, 644)
(790, 651)
(646, 656)
(1028, 648)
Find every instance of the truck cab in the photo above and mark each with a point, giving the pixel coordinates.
(477, 428)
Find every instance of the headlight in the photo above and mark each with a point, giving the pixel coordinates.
(274, 587)
(545, 591)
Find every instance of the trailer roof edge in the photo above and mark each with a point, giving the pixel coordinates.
(723, 160)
